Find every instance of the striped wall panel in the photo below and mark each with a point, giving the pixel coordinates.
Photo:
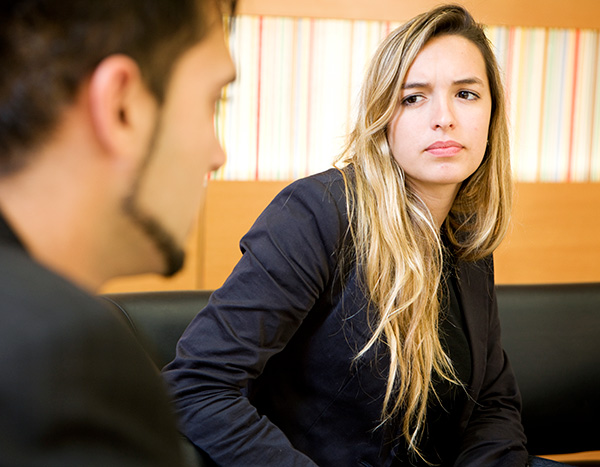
(287, 113)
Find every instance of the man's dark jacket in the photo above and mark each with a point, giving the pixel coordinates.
(76, 388)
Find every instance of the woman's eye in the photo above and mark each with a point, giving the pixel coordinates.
(412, 99)
(467, 95)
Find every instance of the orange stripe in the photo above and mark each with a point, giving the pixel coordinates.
(593, 101)
(543, 107)
(573, 101)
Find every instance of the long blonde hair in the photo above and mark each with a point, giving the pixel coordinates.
(396, 242)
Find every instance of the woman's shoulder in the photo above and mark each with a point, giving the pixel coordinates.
(324, 190)
(331, 181)
(314, 203)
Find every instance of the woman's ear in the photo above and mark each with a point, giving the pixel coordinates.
(122, 109)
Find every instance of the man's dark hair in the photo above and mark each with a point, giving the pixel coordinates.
(48, 47)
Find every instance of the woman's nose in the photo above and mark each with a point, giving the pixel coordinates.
(442, 114)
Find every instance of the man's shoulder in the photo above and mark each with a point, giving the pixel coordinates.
(38, 305)
(70, 358)
(46, 321)
(26, 283)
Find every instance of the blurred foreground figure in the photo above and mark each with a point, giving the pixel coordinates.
(106, 135)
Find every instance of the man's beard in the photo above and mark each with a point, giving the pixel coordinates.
(172, 253)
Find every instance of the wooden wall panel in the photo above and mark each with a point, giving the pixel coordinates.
(543, 13)
(581, 458)
(231, 209)
(554, 238)
(555, 235)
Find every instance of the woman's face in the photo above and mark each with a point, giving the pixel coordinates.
(439, 131)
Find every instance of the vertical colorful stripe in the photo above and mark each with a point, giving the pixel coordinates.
(298, 81)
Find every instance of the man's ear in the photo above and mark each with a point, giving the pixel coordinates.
(121, 106)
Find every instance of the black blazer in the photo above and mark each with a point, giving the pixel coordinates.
(265, 374)
(76, 390)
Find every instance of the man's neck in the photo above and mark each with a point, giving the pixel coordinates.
(51, 212)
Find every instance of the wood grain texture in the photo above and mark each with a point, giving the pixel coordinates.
(231, 209)
(589, 458)
(554, 238)
(555, 234)
(532, 13)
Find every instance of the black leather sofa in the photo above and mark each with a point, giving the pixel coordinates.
(550, 332)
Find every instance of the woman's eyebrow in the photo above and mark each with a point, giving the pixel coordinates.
(459, 82)
(415, 85)
(470, 80)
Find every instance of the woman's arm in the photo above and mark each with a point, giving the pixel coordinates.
(288, 258)
(494, 435)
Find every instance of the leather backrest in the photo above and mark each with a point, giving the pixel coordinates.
(551, 334)
(158, 319)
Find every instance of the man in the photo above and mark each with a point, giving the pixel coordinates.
(106, 134)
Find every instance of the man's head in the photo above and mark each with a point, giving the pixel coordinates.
(48, 47)
(133, 81)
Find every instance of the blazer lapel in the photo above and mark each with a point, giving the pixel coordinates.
(475, 298)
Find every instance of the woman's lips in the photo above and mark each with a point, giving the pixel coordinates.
(444, 148)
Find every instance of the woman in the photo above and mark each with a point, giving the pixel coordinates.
(360, 326)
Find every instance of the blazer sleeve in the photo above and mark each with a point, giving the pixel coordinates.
(287, 262)
(493, 435)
